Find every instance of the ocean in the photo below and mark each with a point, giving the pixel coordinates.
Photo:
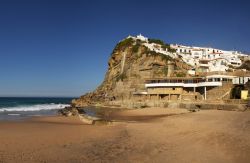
(15, 108)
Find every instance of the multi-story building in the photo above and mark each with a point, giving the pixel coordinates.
(211, 87)
(209, 59)
(203, 59)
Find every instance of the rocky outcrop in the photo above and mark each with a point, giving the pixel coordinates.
(245, 65)
(71, 111)
(130, 64)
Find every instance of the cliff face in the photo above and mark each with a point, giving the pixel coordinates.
(130, 64)
(245, 65)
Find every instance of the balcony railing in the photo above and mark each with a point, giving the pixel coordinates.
(176, 81)
(183, 84)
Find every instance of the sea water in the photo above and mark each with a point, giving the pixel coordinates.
(14, 108)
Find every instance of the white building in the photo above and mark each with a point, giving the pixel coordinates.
(208, 59)
(153, 46)
(181, 87)
(204, 59)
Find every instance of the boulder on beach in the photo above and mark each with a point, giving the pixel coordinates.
(70, 111)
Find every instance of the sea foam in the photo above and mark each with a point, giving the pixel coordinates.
(38, 107)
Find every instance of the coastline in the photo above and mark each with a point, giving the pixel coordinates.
(172, 135)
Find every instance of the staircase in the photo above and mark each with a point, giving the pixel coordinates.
(219, 93)
(225, 95)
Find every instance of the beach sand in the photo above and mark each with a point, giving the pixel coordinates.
(144, 135)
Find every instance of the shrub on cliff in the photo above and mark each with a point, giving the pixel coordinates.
(171, 50)
(166, 57)
(135, 48)
(167, 47)
(180, 74)
(245, 65)
(121, 77)
(153, 53)
(156, 41)
(124, 43)
(165, 70)
(163, 45)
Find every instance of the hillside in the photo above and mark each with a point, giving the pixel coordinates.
(133, 61)
(245, 65)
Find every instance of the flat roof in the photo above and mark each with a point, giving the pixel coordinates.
(177, 78)
(220, 76)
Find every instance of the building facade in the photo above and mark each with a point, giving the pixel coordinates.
(212, 87)
(209, 59)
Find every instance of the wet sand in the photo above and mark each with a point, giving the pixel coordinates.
(165, 135)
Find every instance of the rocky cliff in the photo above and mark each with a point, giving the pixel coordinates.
(130, 64)
(245, 65)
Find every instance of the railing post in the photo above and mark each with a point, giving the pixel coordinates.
(205, 89)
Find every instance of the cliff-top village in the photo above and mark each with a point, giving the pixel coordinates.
(212, 76)
(150, 73)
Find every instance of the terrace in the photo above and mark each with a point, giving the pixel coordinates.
(182, 82)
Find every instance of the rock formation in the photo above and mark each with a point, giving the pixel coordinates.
(130, 64)
(245, 65)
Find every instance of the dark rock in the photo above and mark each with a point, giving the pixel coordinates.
(70, 111)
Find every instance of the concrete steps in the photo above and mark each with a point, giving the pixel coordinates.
(219, 92)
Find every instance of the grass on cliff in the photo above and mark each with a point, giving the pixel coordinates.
(135, 48)
(156, 41)
(180, 74)
(123, 44)
(164, 45)
(165, 70)
(245, 65)
(121, 77)
(153, 53)
(136, 45)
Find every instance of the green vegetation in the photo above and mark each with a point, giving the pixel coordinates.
(121, 77)
(166, 57)
(153, 53)
(163, 45)
(140, 41)
(126, 42)
(123, 44)
(157, 72)
(231, 66)
(135, 75)
(156, 41)
(167, 46)
(165, 70)
(171, 50)
(245, 65)
(180, 74)
(135, 48)
(137, 43)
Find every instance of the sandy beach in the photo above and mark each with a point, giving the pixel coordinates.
(145, 135)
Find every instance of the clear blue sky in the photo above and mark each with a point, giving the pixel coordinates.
(61, 48)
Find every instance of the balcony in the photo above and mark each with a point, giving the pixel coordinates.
(200, 84)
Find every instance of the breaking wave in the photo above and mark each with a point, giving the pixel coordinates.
(38, 107)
